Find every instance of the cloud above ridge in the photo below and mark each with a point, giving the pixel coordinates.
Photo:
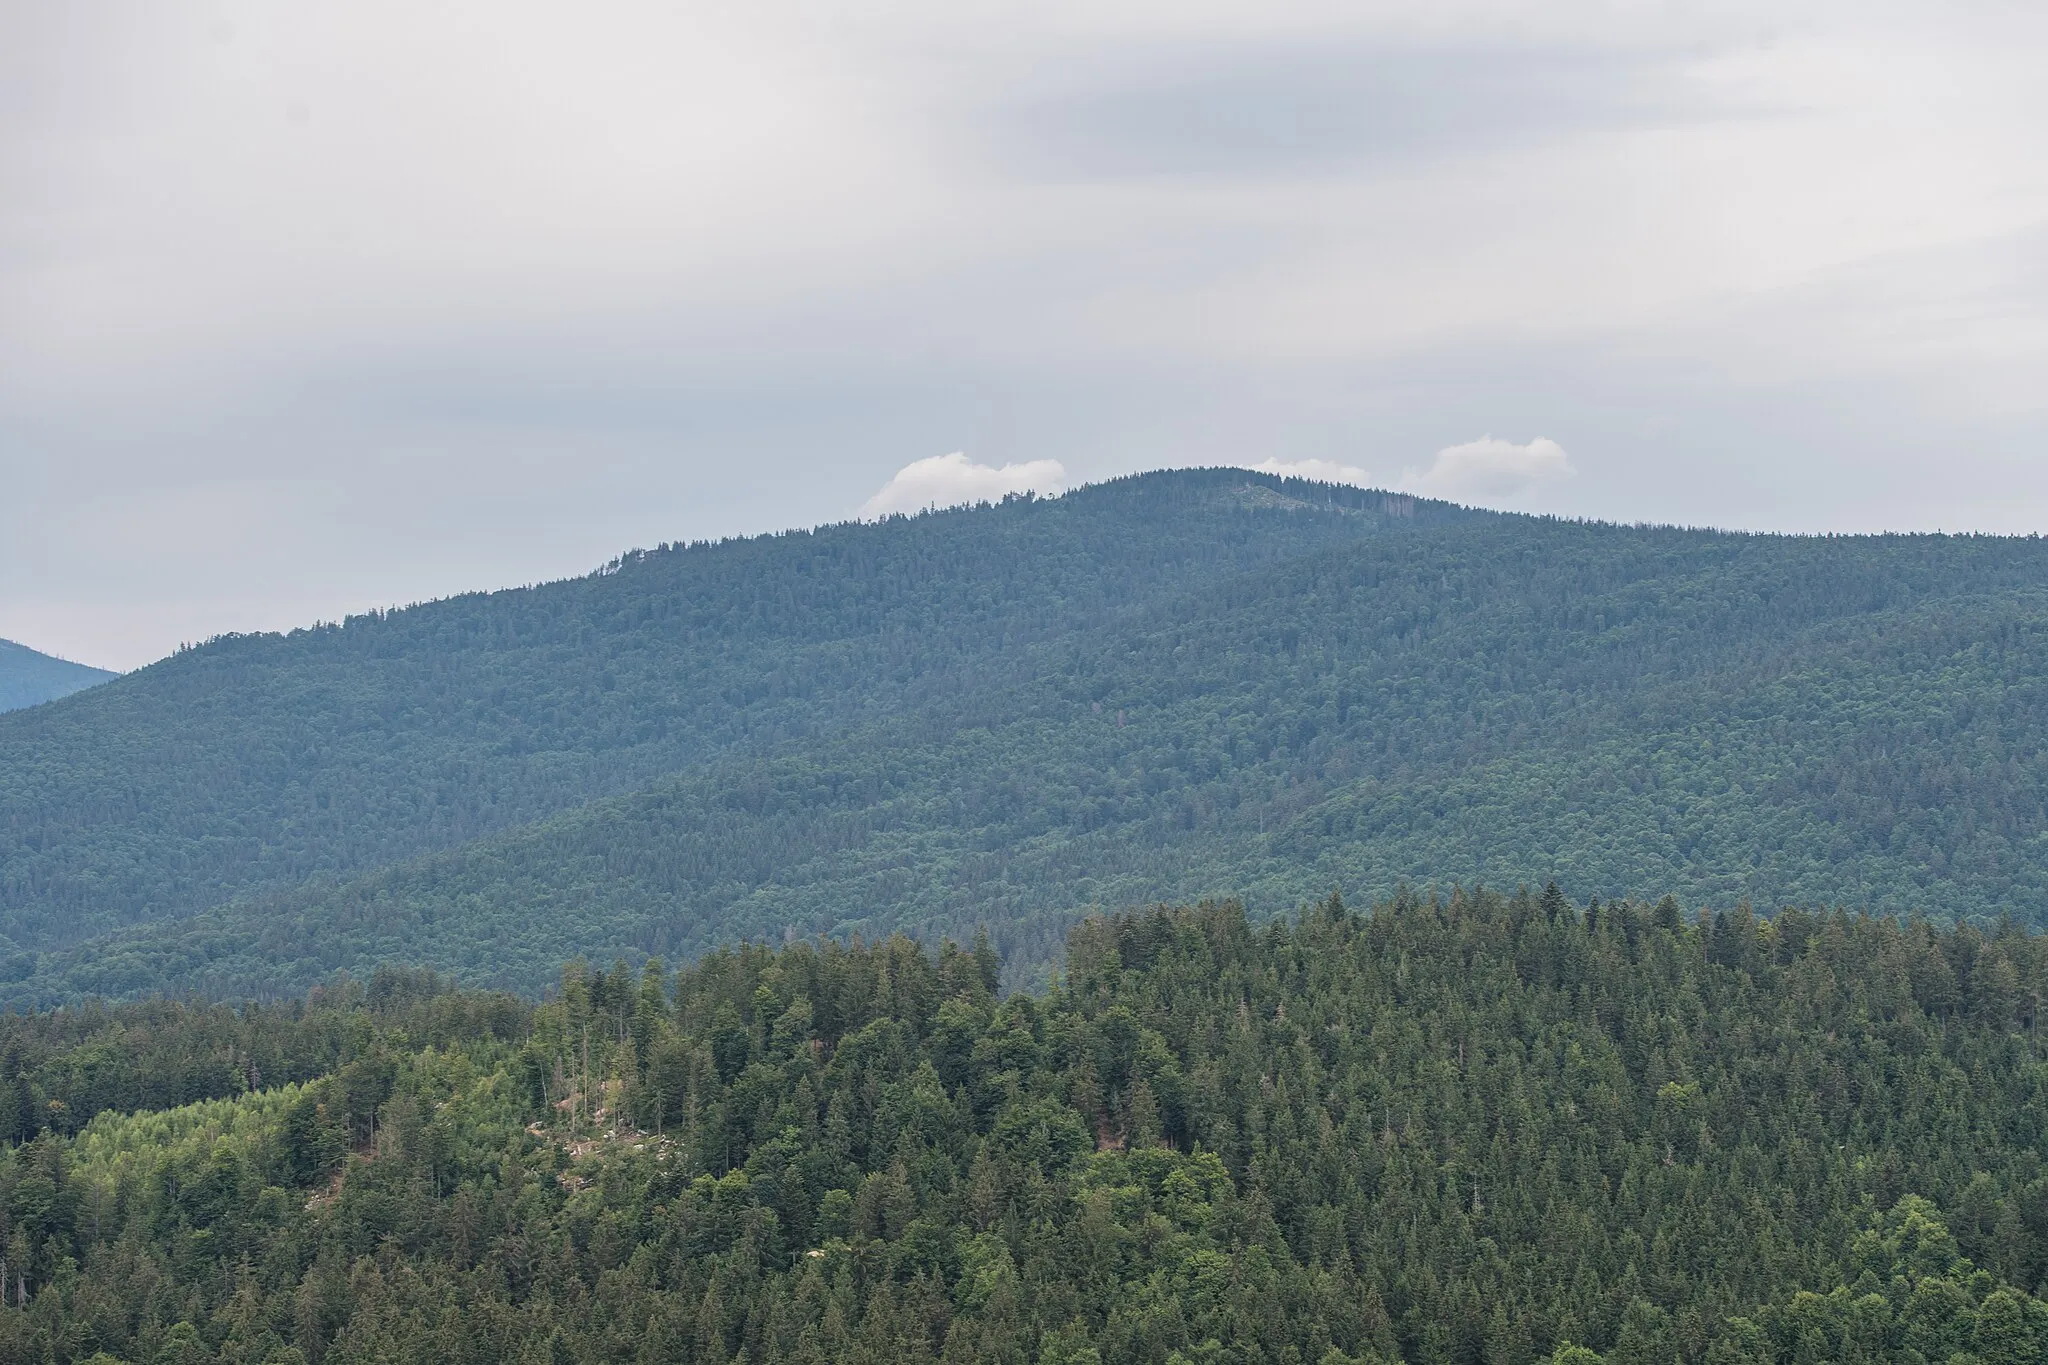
(1490, 468)
(1317, 471)
(953, 480)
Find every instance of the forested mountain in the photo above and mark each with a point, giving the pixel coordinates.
(1479, 1130)
(263, 762)
(1173, 686)
(28, 678)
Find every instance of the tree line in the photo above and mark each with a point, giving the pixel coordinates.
(1476, 1128)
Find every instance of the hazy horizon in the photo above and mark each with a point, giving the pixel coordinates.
(305, 311)
(973, 493)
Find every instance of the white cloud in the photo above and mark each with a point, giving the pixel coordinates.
(655, 270)
(1489, 468)
(950, 480)
(1321, 471)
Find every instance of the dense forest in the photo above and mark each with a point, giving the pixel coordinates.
(261, 762)
(29, 677)
(1482, 1129)
(1176, 686)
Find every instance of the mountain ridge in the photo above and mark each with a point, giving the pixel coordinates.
(1009, 715)
(265, 760)
(29, 677)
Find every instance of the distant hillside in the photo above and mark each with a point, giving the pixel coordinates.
(28, 678)
(258, 763)
(1181, 685)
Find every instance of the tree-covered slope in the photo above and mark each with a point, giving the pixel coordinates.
(1172, 687)
(1780, 720)
(1488, 1130)
(29, 678)
(265, 760)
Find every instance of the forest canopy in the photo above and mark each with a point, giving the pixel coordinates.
(1482, 1128)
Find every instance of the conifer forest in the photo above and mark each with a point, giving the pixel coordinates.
(1206, 918)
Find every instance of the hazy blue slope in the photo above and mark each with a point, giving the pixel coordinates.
(265, 761)
(29, 678)
(1632, 712)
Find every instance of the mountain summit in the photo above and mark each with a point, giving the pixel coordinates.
(28, 678)
(1191, 684)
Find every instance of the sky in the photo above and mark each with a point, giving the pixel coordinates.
(312, 307)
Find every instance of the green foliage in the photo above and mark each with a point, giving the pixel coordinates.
(1496, 1129)
(1171, 687)
(59, 1069)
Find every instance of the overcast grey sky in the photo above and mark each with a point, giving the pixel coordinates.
(306, 308)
